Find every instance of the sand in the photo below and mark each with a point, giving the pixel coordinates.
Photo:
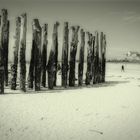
(109, 111)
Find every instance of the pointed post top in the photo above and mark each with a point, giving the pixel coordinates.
(23, 15)
(36, 25)
(75, 28)
(4, 12)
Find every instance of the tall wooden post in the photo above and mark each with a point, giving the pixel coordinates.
(101, 53)
(65, 54)
(35, 63)
(6, 47)
(89, 59)
(37, 29)
(14, 66)
(100, 57)
(44, 53)
(73, 51)
(5, 42)
(96, 59)
(1, 56)
(81, 58)
(55, 31)
(22, 52)
(4, 38)
(31, 74)
(52, 62)
(104, 58)
(93, 61)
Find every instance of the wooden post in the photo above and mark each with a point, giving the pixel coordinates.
(100, 56)
(89, 59)
(31, 75)
(37, 29)
(93, 61)
(1, 67)
(55, 31)
(81, 58)
(73, 51)
(14, 66)
(22, 52)
(65, 54)
(1, 60)
(37, 53)
(52, 62)
(6, 47)
(44, 53)
(96, 59)
(34, 76)
(104, 58)
(3, 43)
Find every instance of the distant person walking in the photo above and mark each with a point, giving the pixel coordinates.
(122, 69)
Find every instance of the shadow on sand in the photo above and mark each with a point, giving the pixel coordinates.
(59, 89)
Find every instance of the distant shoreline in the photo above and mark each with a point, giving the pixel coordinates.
(124, 61)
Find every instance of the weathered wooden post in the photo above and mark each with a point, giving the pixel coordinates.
(14, 66)
(35, 63)
(37, 29)
(100, 57)
(52, 62)
(65, 54)
(81, 58)
(44, 53)
(55, 31)
(5, 42)
(93, 61)
(73, 51)
(104, 58)
(6, 46)
(4, 34)
(1, 58)
(31, 75)
(96, 59)
(22, 52)
(89, 59)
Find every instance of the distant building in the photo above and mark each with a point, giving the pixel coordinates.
(133, 55)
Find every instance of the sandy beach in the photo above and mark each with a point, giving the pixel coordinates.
(109, 111)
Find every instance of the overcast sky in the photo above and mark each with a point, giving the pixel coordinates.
(119, 20)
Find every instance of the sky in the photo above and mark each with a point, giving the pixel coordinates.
(119, 20)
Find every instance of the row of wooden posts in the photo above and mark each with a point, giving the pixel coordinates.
(96, 55)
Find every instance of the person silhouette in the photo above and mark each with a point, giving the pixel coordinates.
(122, 69)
